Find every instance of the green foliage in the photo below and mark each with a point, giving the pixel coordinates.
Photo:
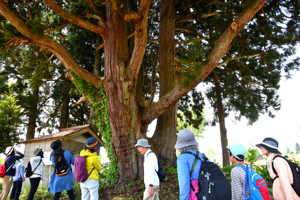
(251, 155)
(170, 170)
(41, 193)
(184, 121)
(227, 171)
(36, 25)
(9, 120)
(102, 122)
(211, 154)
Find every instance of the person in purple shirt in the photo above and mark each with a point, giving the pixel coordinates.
(12, 156)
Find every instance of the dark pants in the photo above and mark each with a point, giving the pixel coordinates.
(70, 194)
(16, 190)
(34, 184)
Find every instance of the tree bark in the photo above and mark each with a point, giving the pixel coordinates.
(33, 113)
(164, 137)
(64, 116)
(223, 131)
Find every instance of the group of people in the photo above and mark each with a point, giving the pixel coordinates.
(15, 173)
(186, 142)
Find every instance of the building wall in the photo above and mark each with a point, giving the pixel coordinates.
(73, 146)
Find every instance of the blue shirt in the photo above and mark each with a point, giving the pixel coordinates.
(20, 170)
(10, 160)
(61, 183)
(184, 166)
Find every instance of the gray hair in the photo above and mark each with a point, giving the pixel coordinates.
(192, 147)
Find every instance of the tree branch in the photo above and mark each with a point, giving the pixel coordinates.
(140, 39)
(94, 10)
(237, 58)
(73, 19)
(50, 45)
(220, 48)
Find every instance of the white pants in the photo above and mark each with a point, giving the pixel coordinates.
(155, 195)
(89, 189)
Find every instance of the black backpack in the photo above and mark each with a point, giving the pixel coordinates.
(212, 182)
(161, 171)
(61, 167)
(295, 171)
(28, 169)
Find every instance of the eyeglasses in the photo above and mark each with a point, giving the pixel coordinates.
(138, 147)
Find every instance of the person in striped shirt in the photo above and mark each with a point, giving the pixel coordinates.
(237, 154)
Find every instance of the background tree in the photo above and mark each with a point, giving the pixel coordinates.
(9, 120)
(129, 115)
(248, 76)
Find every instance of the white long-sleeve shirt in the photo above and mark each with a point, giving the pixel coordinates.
(39, 170)
(150, 165)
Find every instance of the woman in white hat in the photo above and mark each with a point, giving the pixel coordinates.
(12, 156)
(282, 189)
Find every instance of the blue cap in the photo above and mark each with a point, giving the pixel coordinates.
(142, 143)
(92, 143)
(237, 149)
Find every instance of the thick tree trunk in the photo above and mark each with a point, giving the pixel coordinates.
(33, 113)
(223, 131)
(122, 105)
(64, 116)
(164, 137)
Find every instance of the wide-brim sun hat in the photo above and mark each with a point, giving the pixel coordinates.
(237, 149)
(36, 151)
(185, 138)
(56, 145)
(142, 143)
(270, 144)
(8, 151)
(92, 143)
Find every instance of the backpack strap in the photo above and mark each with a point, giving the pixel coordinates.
(37, 165)
(194, 163)
(273, 168)
(203, 159)
(246, 177)
(10, 166)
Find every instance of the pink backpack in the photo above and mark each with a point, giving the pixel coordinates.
(80, 171)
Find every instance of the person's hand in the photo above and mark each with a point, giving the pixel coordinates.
(23, 180)
(150, 191)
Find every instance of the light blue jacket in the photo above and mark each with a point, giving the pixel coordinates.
(61, 183)
(184, 166)
(20, 170)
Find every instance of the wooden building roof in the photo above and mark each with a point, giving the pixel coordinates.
(66, 134)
